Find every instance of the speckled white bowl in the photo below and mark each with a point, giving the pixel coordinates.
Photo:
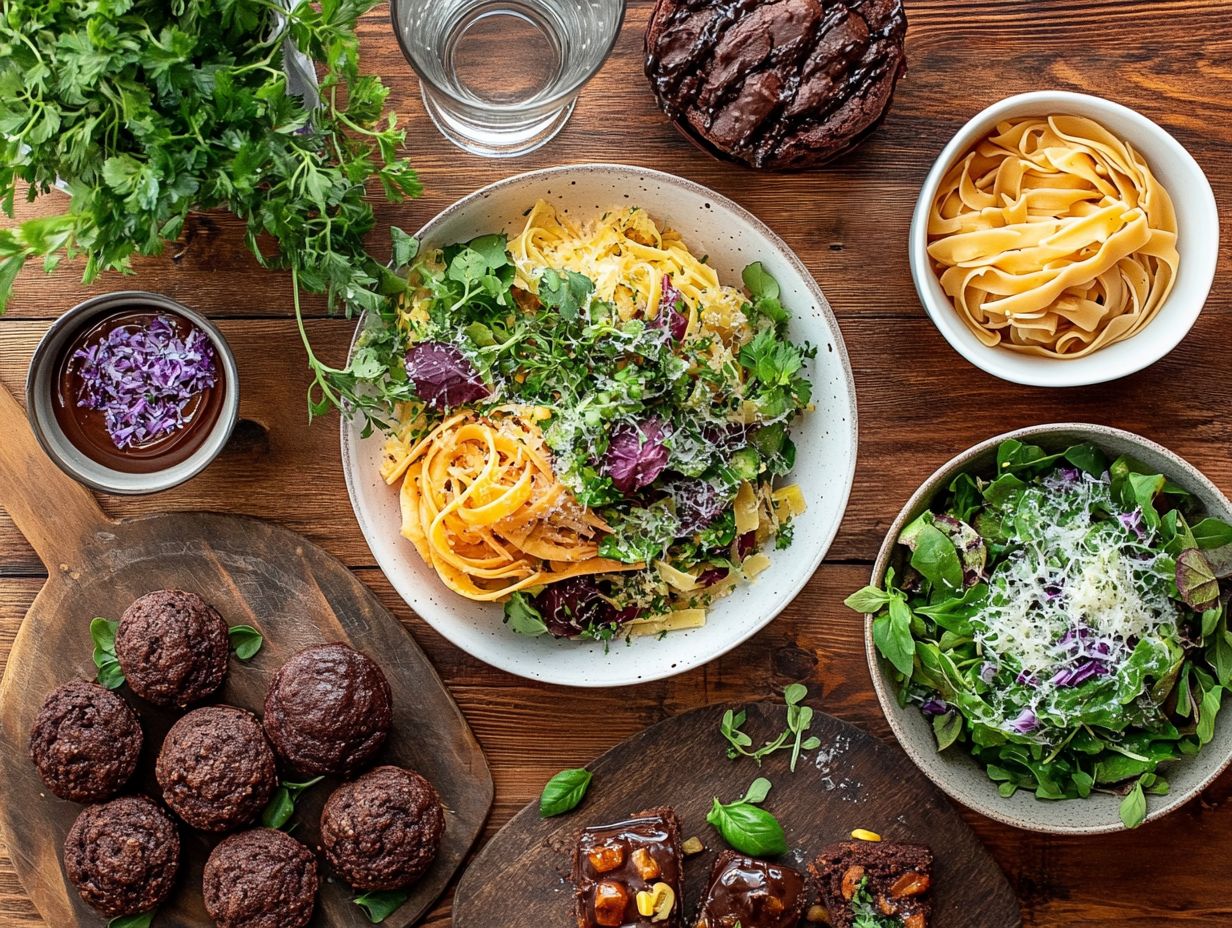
(1198, 242)
(826, 439)
(954, 770)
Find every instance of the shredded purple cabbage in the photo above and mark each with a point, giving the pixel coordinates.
(636, 455)
(1025, 723)
(670, 317)
(142, 379)
(1134, 522)
(443, 376)
(988, 672)
(934, 706)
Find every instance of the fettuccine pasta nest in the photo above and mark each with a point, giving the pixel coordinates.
(1052, 237)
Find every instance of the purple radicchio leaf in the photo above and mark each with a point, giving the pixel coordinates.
(570, 606)
(988, 672)
(1025, 723)
(712, 576)
(670, 317)
(636, 455)
(698, 503)
(746, 544)
(1195, 580)
(443, 376)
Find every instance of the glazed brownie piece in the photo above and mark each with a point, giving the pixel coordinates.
(85, 742)
(630, 874)
(123, 855)
(877, 878)
(172, 647)
(776, 84)
(749, 893)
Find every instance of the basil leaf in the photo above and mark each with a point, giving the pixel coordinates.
(246, 641)
(110, 675)
(1133, 807)
(892, 635)
(103, 632)
(378, 906)
(748, 828)
(564, 792)
(281, 807)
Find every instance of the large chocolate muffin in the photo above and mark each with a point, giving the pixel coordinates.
(123, 855)
(777, 84)
(172, 647)
(328, 711)
(383, 831)
(85, 742)
(216, 768)
(260, 879)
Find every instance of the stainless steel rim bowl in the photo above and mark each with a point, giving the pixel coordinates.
(40, 387)
(953, 770)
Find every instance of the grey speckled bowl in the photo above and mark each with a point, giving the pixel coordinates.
(954, 770)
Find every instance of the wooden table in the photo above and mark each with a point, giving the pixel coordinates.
(919, 402)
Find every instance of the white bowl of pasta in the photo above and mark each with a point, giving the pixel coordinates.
(1062, 240)
(616, 455)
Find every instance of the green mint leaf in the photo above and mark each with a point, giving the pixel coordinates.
(378, 906)
(564, 792)
(246, 641)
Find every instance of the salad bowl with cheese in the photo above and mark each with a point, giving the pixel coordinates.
(1047, 629)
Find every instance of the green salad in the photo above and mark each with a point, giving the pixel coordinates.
(1065, 622)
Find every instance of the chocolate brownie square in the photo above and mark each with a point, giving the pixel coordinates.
(878, 878)
(630, 874)
(749, 893)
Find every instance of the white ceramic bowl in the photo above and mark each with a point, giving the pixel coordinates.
(1198, 243)
(826, 439)
(954, 770)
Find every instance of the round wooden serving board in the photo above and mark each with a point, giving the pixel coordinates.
(520, 879)
(254, 573)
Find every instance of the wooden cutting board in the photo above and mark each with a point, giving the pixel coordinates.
(520, 879)
(254, 573)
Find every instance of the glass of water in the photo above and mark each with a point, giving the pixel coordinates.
(501, 77)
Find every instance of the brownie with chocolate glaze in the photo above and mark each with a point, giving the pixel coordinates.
(749, 893)
(614, 864)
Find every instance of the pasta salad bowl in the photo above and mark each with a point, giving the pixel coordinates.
(825, 438)
(1197, 243)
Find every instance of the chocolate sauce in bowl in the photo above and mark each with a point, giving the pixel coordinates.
(87, 429)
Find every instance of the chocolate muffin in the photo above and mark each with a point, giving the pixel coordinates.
(260, 879)
(123, 855)
(172, 647)
(328, 710)
(383, 830)
(85, 742)
(216, 768)
(776, 84)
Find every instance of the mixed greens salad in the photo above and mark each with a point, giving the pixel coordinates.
(1064, 621)
(669, 436)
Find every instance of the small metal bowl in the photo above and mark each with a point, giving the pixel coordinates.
(40, 388)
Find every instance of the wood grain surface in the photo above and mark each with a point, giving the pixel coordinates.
(520, 879)
(255, 573)
(919, 402)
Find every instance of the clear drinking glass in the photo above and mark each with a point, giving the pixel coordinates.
(501, 77)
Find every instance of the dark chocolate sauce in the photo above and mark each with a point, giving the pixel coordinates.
(752, 893)
(653, 835)
(86, 428)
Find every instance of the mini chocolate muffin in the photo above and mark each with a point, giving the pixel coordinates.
(383, 830)
(172, 647)
(85, 742)
(328, 710)
(216, 768)
(776, 84)
(123, 855)
(260, 879)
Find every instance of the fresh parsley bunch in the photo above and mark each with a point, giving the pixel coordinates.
(149, 110)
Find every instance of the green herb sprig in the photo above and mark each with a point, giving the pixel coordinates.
(564, 792)
(246, 641)
(799, 718)
(378, 906)
(103, 633)
(281, 807)
(746, 826)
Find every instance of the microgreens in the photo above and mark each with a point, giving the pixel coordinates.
(799, 718)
